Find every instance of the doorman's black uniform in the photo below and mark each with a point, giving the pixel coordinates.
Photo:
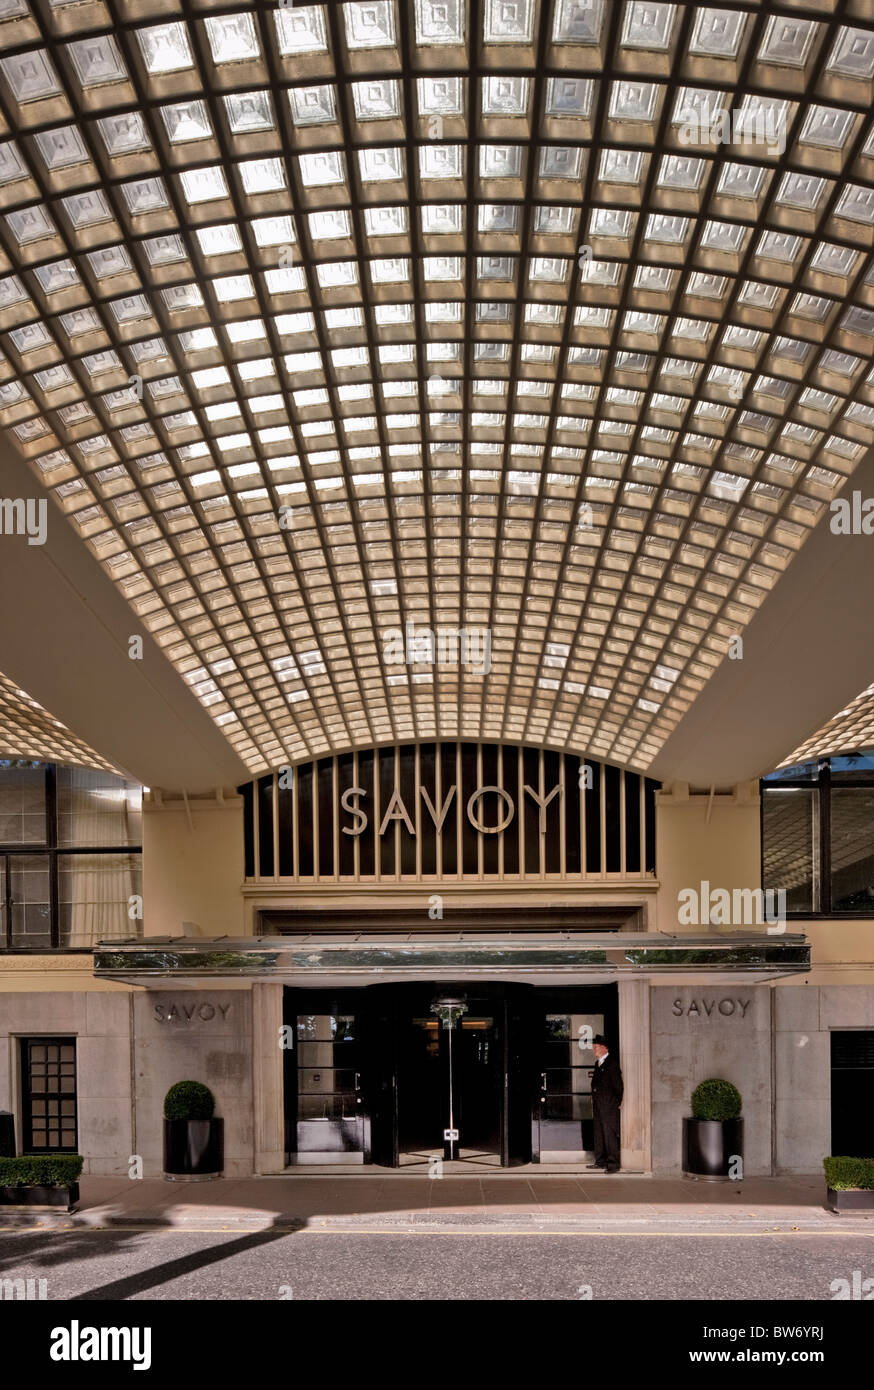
(607, 1091)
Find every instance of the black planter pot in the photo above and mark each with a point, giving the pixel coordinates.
(850, 1199)
(40, 1196)
(709, 1146)
(194, 1148)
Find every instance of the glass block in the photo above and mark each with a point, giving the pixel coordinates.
(109, 261)
(381, 165)
(441, 161)
(30, 75)
(561, 162)
(321, 170)
(707, 286)
(578, 21)
(79, 322)
(508, 21)
(717, 33)
(300, 29)
(336, 274)
(376, 101)
(232, 38)
(131, 309)
(59, 275)
(504, 96)
(779, 246)
(164, 250)
(439, 218)
(219, 241)
(614, 222)
(31, 337)
(439, 21)
(633, 101)
(440, 96)
(9, 9)
(182, 297)
(186, 120)
(620, 166)
(30, 224)
(12, 166)
(827, 126)
(681, 171)
(203, 185)
(647, 25)
(274, 231)
(229, 288)
(498, 217)
(13, 292)
(380, 222)
(853, 54)
(801, 191)
(124, 134)
(500, 161)
(165, 48)
(655, 278)
(249, 111)
(145, 195)
(494, 267)
(569, 96)
(787, 42)
(728, 237)
(312, 105)
(369, 24)
(262, 175)
(394, 270)
(741, 180)
(97, 60)
(857, 204)
(61, 147)
(330, 225)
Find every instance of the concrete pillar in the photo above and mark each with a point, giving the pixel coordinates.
(267, 1060)
(634, 1057)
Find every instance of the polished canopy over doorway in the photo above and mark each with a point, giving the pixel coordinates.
(492, 1073)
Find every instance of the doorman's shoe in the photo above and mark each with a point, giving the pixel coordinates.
(599, 1166)
(613, 1170)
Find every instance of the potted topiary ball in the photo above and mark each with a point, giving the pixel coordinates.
(713, 1136)
(194, 1140)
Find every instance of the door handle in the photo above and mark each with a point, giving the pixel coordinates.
(358, 1081)
(543, 1081)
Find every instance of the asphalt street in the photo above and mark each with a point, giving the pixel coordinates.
(413, 1265)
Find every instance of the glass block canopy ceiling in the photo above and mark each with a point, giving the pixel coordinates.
(547, 320)
(28, 730)
(852, 728)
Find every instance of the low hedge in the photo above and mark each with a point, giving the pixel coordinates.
(843, 1174)
(189, 1100)
(40, 1170)
(716, 1099)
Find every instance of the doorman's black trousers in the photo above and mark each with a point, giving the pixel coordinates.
(607, 1143)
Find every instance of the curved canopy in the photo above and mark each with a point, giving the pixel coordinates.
(545, 323)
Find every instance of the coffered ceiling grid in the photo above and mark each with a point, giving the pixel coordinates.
(29, 731)
(296, 331)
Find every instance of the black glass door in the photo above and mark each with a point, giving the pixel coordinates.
(564, 1024)
(450, 1079)
(325, 1117)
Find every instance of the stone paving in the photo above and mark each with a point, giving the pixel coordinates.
(383, 1198)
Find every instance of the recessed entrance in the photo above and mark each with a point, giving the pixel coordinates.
(489, 1073)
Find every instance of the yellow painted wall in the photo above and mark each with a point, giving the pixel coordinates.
(723, 851)
(193, 874)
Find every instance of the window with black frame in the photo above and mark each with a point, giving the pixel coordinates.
(818, 835)
(70, 856)
(48, 1094)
